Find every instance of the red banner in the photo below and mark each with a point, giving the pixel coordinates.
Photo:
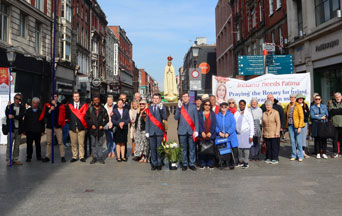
(157, 123)
(4, 80)
(80, 114)
(189, 121)
(46, 105)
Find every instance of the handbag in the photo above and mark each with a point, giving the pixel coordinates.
(5, 129)
(206, 147)
(325, 130)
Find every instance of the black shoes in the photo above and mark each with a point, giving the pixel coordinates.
(83, 160)
(193, 168)
(63, 160)
(153, 167)
(28, 159)
(45, 160)
(93, 161)
(39, 159)
(73, 160)
(102, 162)
(184, 168)
(159, 168)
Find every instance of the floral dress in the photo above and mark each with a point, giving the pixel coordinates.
(142, 146)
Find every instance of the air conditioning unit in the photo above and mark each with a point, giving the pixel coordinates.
(339, 13)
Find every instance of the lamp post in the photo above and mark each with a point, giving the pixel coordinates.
(11, 56)
(195, 51)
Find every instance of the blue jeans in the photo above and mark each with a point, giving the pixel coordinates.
(296, 142)
(187, 141)
(304, 132)
(110, 141)
(65, 133)
(207, 160)
(155, 143)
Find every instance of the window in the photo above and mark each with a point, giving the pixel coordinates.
(273, 37)
(22, 25)
(37, 38)
(82, 37)
(326, 10)
(67, 47)
(237, 32)
(278, 4)
(38, 4)
(261, 43)
(249, 50)
(77, 5)
(281, 38)
(254, 49)
(3, 22)
(94, 47)
(300, 18)
(66, 9)
(253, 18)
(271, 6)
(260, 11)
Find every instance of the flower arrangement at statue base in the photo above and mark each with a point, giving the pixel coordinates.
(172, 151)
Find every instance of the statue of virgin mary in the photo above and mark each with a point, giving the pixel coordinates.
(170, 84)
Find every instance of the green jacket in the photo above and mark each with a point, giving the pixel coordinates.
(335, 111)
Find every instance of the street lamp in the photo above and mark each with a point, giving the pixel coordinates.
(11, 55)
(195, 51)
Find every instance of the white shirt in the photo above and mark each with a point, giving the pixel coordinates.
(120, 111)
(77, 105)
(244, 122)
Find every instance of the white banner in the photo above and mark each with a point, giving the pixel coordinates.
(280, 86)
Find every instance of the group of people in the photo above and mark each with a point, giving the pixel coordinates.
(247, 128)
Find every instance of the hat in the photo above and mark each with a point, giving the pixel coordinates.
(205, 96)
(300, 95)
(224, 103)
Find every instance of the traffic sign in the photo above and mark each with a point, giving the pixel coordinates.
(282, 64)
(251, 65)
(195, 74)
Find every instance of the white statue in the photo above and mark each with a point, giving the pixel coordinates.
(170, 84)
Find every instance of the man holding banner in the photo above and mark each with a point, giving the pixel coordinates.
(155, 130)
(75, 112)
(187, 116)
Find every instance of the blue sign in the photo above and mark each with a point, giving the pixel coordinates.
(251, 65)
(282, 64)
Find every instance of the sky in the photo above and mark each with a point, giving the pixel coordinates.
(159, 28)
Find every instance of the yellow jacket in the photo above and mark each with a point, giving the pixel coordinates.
(298, 116)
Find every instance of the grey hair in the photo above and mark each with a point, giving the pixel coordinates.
(35, 99)
(254, 99)
(110, 97)
(293, 95)
(337, 94)
(269, 102)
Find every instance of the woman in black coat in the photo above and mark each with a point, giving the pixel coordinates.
(120, 121)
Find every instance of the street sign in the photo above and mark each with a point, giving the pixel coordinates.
(96, 82)
(270, 47)
(251, 65)
(195, 74)
(282, 64)
(195, 85)
(205, 67)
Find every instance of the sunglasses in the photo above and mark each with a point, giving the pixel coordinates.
(231, 103)
(19, 99)
(206, 104)
(317, 99)
(142, 104)
(224, 107)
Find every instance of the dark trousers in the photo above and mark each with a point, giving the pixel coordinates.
(338, 138)
(97, 146)
(155, 143)
(30, 137)
(87, 144)
(272, 148)
(235, 154)
(320, 144)
(255, 149)
(188, 142)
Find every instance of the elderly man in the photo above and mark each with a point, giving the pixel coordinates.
(215, 107)
(34, 129)
(17, 128)
(335, 109)
(137, 96)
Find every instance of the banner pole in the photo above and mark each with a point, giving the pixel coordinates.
(10, 113)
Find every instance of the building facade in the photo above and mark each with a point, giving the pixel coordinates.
(315, 40)
(112, 66)
(125, 61)
(26, 25)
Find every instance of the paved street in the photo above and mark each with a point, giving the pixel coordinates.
(290, 188)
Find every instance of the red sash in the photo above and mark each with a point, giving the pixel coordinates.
(41, 117)
(189, 121)
(157, 123)
(80, 114)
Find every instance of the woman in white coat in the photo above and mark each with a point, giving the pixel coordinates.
(245, 132)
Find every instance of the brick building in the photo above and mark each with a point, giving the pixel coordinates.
(243, 26)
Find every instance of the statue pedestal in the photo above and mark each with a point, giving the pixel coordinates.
(171, 98)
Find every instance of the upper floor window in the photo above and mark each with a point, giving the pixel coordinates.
(260, 11)
(38, 4)
(278, 4)
(271, 6)
(326, 10)
(3, 22)
(66, 9)
(22, 25)
(37, 38)
(253, 18)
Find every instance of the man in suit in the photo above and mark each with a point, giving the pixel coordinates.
(75, 112)
(187, 116)
(126, 105)
(153, 132)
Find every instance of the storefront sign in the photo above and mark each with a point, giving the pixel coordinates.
(96, 82)
(4, 81)
(327, 45)
(281, 86)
